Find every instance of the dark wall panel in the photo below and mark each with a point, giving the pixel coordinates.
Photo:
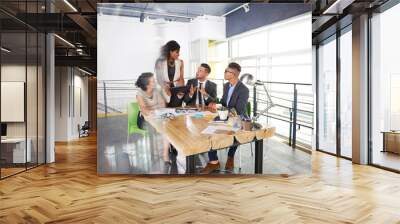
(262, 14)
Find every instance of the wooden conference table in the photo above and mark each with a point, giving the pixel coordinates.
(184, 132)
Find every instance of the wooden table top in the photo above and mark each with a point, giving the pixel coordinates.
(184, 133)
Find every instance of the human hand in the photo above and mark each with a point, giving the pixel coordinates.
(192, 90)
(180, 95)
(167, 90)
(212, 106)
(203, 92)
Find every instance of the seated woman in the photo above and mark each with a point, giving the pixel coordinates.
(149, 98)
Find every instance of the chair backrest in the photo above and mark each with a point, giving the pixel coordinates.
(86, 125)
(133, 114)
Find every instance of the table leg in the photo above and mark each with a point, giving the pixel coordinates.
(190, 164)
(258, 168)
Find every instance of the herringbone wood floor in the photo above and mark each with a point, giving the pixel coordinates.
(69, 191)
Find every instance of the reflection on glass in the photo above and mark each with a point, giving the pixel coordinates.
(41, 98)
(32, 94)
(327, 97)
(109, 154)
(15, 150)
(346, 94)
(386, 88)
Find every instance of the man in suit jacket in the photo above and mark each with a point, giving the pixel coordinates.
(202, 91)
(235, 95)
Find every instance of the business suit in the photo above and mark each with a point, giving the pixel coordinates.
(210, 88)
(238, 100)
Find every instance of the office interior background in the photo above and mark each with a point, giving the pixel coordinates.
(49, 86)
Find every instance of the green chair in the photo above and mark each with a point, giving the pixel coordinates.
(133, 115)
(248, 108)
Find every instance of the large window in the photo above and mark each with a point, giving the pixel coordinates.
(327, 96)
(385, 89)
(272, 55)
(346, 93)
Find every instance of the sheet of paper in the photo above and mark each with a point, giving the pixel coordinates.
(210, 130)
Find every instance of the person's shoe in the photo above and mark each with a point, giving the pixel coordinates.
(210, 168)
(230, 163)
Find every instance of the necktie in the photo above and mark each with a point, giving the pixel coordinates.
(200, 96)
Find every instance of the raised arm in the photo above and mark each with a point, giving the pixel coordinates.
(181, 80)
(212, 95)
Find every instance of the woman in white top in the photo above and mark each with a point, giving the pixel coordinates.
(150, 98)
(169, 71)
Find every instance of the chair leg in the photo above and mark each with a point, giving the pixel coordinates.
(240, 160)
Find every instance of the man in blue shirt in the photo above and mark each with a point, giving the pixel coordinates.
(235, 95)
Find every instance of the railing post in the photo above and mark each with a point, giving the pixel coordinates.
(290, 127)
(105, 98)
(255, 101)
(294, 127)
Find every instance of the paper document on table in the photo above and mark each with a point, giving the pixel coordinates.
(210, 130)
(159, 112)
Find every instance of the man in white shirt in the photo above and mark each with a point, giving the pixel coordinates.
(201, 90)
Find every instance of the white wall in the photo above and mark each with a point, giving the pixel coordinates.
(67, 116)
(127, 47)
(208, 27)
(61, 103)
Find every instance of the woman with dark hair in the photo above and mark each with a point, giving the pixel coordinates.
(150, 98)
(169, 71)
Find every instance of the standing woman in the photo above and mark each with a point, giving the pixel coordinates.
(169, 71)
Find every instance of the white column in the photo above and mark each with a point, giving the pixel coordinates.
(50, 99)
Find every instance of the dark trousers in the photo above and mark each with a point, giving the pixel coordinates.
(212, 155)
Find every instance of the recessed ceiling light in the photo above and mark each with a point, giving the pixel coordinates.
(5, 50)
(64, 40)
(84, 71)
(70, 5)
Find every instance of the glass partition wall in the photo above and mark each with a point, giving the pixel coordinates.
(334, 104)
(385, 90)
(327, 96)
(22, 88)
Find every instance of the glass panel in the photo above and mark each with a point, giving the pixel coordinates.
(327, 97)
(31, 98)
(280, 61)
(41, 99)
(292, 59)
(281, 38)
(295, 73)
(254, 44)
(13, 87)
(346, 94)
(32, 90)
(386, 89)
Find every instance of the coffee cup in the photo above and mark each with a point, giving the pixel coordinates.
(223, 114)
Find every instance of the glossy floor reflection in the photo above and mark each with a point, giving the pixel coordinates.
(386, 159)
(119, 153)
